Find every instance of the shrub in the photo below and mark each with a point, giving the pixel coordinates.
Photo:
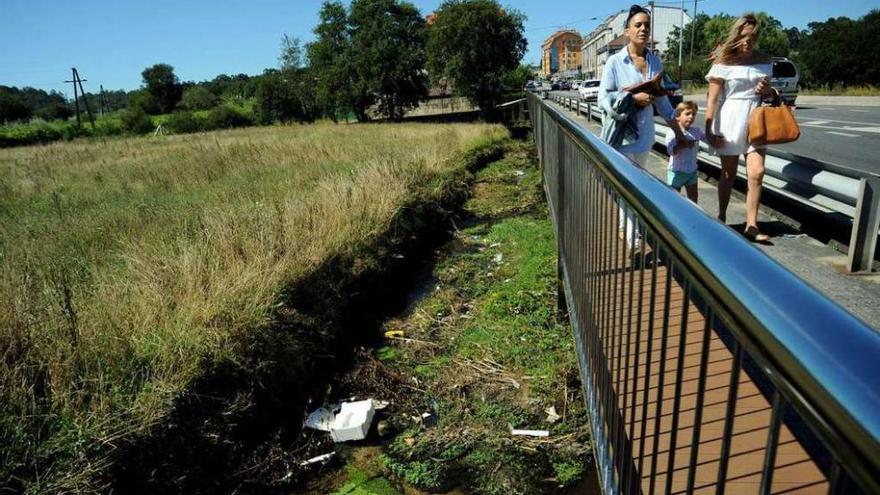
(225, 117)
(20, 135)
(136, 121)
(184, 122)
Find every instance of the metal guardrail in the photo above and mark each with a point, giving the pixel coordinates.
(823, 186)
(813, 362)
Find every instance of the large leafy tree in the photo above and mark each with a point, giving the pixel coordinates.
(163, 86)
(842, 51)
(328, 61)
(472, 45)
(387, 56)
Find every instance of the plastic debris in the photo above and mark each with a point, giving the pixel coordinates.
(552, 415)
(320, 419)
(390, 334)
(321, 458)
(529, 433)
(498, 257)
(353, 421)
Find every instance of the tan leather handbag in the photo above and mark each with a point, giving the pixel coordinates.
(773, 123)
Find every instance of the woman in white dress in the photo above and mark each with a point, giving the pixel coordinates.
(737, 80)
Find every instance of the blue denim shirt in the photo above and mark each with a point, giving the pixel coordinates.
(619, 73)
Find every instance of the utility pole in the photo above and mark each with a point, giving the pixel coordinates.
(693, 32)
(103, 102)
(78, 82)
(680, 40)
(651, 31)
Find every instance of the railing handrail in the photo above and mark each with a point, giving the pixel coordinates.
(821, 357)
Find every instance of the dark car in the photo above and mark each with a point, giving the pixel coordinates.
(564, 85)
(554, 86)
(530, 86)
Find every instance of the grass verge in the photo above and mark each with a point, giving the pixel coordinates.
(484, 351)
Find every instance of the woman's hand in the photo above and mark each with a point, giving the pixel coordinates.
(643, 99)
(763, 87)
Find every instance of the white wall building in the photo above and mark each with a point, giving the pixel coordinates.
(595, 49)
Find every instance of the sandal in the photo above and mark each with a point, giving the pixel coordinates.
(754, 235)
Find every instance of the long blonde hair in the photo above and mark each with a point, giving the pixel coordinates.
(726, 52)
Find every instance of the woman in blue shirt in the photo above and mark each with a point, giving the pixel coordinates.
(632, 65)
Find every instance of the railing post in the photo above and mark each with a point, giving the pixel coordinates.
(561, 303)
(863, 241)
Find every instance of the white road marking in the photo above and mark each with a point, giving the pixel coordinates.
(842, 134)
(861, 111)
(815, 122)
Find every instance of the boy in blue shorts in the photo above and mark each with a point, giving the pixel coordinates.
(682, 169)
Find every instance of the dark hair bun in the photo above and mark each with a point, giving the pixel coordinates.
(636, 9)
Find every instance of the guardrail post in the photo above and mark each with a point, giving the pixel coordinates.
(863, 241)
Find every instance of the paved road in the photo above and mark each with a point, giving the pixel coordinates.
(845, 135)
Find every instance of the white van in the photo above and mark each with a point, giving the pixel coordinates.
(785, 78)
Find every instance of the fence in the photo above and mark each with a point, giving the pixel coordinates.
(707, 367)
(829, 188)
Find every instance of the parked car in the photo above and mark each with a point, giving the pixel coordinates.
(785, 78)
(564, 85)
(589, 90)
(576, 84)
(554, 86)
(530, 86)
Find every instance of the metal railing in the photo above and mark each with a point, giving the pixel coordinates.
(691, 341)
(826, 187)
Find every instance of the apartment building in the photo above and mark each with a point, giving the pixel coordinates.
(561, 53)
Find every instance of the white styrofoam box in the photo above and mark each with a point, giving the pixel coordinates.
(353, 421)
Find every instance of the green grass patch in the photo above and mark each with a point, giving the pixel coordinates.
(503, 355)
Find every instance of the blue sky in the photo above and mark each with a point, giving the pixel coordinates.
(111, 42)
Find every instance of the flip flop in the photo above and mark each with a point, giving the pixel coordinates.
(754, 235)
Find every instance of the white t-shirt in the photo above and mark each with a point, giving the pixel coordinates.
(686, 159)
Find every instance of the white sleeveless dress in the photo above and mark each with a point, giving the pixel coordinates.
(736, 102)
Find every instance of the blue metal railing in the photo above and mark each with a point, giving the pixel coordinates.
(646, 310)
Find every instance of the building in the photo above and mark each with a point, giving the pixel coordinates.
(608, 37)
(561, 53)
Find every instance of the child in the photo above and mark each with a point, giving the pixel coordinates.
(682, 169)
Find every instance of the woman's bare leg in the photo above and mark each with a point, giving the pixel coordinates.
(755, 172)
(725, 183)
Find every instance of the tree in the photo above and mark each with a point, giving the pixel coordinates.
(471, 45)
(12, 108)
(328, 61)
(387, 56)
(286, 96)
(197, 98)
(161, 83)
(292, 53)
(841, 51)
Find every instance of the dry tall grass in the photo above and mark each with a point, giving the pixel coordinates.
(124, 263)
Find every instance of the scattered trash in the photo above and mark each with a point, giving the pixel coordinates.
(518, 173)
(321, 458)
(494, 244)
(353, 421)
(498, 257)
(398, 256)
(528, 433)
(320, 419)
(384, 428)
(791, 236)
(409, 441)
(552, 415)
(390, 334)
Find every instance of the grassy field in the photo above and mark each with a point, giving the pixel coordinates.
(127, 265)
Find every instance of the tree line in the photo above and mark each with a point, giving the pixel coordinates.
(837, 52)
(372, 59)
